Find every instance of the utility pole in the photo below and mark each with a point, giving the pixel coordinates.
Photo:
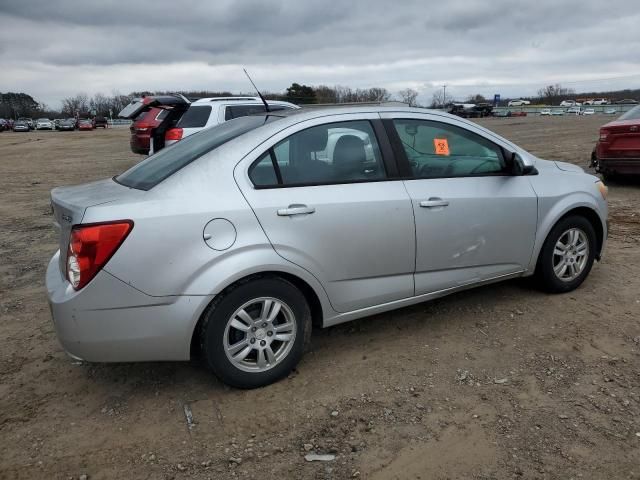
(444, 96)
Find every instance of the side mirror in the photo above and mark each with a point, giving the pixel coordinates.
(519, 168)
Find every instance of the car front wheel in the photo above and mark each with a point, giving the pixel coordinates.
(567, 255)
(256, 332)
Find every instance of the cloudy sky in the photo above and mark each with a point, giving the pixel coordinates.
(52, 49)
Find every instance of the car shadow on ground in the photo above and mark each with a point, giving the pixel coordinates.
(428, 317)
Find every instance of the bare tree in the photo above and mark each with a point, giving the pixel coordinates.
(440, 99)
(552, 93)
(377, 94)
(75, 105)
(477, 98)
(409, 96)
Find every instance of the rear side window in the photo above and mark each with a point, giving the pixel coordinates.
(195, 117)
(437, 150)
(341, 152)
(153, 170)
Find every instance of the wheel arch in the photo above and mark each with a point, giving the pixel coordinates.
(595, 221)
(310, 294)
(584, 209)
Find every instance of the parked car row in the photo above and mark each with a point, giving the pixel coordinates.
(577, 103)
(160, 121)
(66, 124)
(574, 111)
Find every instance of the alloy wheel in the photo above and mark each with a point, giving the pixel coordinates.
(570, 254)
(259, 334)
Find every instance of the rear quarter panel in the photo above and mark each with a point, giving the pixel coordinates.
(165, 254)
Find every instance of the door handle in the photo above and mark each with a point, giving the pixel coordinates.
(434, 202)
(295, 209)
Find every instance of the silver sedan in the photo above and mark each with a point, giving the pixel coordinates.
(234, 242)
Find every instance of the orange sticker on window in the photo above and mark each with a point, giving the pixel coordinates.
(441, 146)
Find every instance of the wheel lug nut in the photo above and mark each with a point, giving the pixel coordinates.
(253, 329)
(264, 325)
(262, 343)
(270, 334)
(253, 340)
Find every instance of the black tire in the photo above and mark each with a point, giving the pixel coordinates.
(546, 276)
(219, 312)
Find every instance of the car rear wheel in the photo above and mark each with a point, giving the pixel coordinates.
(256, 332)
(567, 255)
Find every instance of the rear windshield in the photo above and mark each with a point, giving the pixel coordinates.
(154, 169)
(195, 117)
(235, 111)
(633, 114)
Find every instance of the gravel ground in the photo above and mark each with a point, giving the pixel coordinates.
(498, 382)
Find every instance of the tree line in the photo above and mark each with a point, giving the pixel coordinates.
(14, 105)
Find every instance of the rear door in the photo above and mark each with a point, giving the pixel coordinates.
(328, 198)
(474, 221)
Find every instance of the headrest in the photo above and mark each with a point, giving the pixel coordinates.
(314, 139)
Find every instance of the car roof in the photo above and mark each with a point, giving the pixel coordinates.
(293, 116)
(236, 99)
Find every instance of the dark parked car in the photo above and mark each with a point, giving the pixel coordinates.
(471, 110)
(100, 122)
(68, 124)
(4, 125)
(21, 126)
(618, 147)
(152, 116)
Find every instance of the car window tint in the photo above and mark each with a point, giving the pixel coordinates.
(263, 173)
(633, 114)
(235, 111)
(195, 117)
(162, 114)
(436, 149)
(332, 153)
(154, 169)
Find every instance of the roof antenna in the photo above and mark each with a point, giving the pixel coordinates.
(266, 105)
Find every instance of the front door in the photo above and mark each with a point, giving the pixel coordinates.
(327, 204)
(474, 220)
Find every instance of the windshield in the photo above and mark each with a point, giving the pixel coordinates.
(633, 114)
(156, 168)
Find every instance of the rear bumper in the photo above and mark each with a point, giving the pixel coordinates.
(629, 166)
(109, 321)
(140, 144)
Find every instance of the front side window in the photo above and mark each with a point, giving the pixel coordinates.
(333, 153)
(436, 150)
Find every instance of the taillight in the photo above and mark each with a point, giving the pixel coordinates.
(173, 134)
(90, 248)
(604, 134)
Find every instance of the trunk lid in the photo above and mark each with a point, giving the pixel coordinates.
(69, 205)
(623, 139)
(168, 101)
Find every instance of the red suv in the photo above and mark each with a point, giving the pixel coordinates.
(618, 148)
(152, 117)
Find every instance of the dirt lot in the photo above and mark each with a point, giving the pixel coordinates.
(498, 382)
